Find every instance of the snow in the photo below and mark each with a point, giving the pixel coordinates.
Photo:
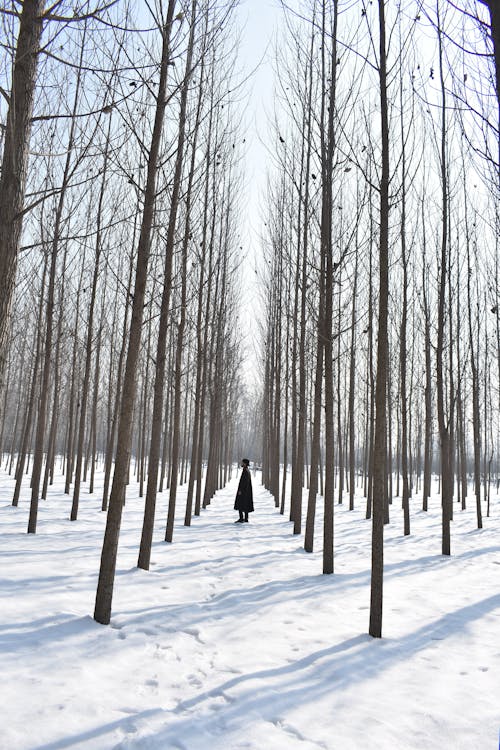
(235, 640)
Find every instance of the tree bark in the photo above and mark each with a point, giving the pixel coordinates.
(88, 345)
(476, 421)
(444, 427)
(327, 153)
(176, 435)
(46, 371)
(352, 384)
(403, 335)
(380, 441)
(28, 421)
(15, 160)
(104, 595)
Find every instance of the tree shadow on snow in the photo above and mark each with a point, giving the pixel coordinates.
(237, 602)
(126, 725)
(272, 693)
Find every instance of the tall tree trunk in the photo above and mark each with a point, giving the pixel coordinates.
(402, 332)
(476, 423)
(88, 345)
(14, 441)
(340, 441)
(28, 421)
(207, 357)
(352, 385)
(113, 419)
(144, 411)
(444, 427)
(327, 153)
(285, 420)
(276, 415)
(176, 432)
(3, 408)
(316, 426)
(46, 371)
(370, 431)
(97, 371)
(380, 442)
(73, 399)
(426, 486)
(197, 404)
(104, 595)
(15, 160)
(49, 466)
(156, 426)
(215, 378)
(195, 469)
(297, 482)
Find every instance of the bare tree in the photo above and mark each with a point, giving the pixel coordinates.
(104, 595)
(164, 313)
(380, 441)
(15, 159)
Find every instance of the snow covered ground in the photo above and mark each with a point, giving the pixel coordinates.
(234, 639)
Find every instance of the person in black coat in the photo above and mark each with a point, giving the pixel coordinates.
(244, 497)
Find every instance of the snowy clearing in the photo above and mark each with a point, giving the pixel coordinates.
(234, 639)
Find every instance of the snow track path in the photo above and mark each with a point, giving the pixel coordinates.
(235, 640)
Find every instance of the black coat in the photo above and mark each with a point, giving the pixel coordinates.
(244, 496)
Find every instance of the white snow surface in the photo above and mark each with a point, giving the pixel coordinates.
(236, 640)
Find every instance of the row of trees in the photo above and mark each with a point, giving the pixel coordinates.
(120, 259)
(382, 323)
(124, 282)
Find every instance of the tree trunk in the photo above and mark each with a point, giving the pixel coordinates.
(113, 417)
(49, 466)
(380, 441)
(73, 408)
(46, 371)
(402, 334)
(93, 452)
(176, 436)
(352, 384)
(370, 430)
(88, 346)
(28, 421)
(476, 424)
(340, 437)
(316, 430)
(15, 160)
(104, 595)
(297, 481)
(444, 428)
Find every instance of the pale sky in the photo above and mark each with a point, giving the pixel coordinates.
(259, 21)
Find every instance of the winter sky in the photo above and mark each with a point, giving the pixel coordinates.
(258, 21)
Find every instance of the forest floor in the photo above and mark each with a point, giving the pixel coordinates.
(235, 640)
